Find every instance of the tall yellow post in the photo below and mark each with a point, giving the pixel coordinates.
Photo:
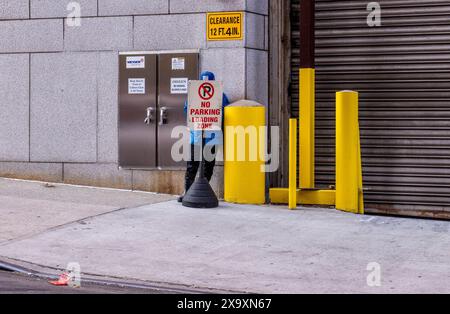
(292, 163)
(349, 193)
(307, 127)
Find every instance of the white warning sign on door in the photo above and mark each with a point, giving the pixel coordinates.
(178, 64)
(179, 85)
(136, 62)
(136, 86)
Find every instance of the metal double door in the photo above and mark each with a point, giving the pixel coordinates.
(152, 92)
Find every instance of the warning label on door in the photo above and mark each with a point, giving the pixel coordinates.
(225, 26)
(179, 85)
(178, 64)
(136, 62)
(136, 86)
(205, 105)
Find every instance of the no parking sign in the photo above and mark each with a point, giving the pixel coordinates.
(205, 105)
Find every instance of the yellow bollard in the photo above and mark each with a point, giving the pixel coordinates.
(307, 128)
(292, 163)
(245, 143)
(349, 194)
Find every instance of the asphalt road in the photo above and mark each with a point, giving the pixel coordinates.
(21, 284)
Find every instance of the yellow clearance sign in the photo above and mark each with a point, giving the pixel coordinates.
(225, 26)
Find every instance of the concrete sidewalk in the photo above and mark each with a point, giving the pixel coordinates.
(28, 208)
(239, 248)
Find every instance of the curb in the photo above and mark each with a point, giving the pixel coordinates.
(9, 267)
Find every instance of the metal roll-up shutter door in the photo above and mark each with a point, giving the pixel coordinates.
(402, 71)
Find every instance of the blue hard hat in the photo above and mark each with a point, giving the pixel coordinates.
(210, 75)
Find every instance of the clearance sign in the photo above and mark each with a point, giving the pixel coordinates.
(225, 26)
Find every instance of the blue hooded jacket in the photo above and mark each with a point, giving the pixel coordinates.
(211, 137)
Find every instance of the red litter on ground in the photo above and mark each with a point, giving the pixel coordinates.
(63, 280)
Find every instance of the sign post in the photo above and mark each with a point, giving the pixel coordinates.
(204, 114)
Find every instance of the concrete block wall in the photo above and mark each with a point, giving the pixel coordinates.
(58, 83)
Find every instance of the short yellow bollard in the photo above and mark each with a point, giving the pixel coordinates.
(349, 194)
(245, 147)
(292, 163)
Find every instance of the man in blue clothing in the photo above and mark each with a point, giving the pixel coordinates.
(211, 140)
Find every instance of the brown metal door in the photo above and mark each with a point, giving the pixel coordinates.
(175, 70)
(137, 110)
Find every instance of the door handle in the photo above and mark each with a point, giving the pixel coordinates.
(163, 116)
(150, 116)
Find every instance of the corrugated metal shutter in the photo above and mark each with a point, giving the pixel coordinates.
(402, 71)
